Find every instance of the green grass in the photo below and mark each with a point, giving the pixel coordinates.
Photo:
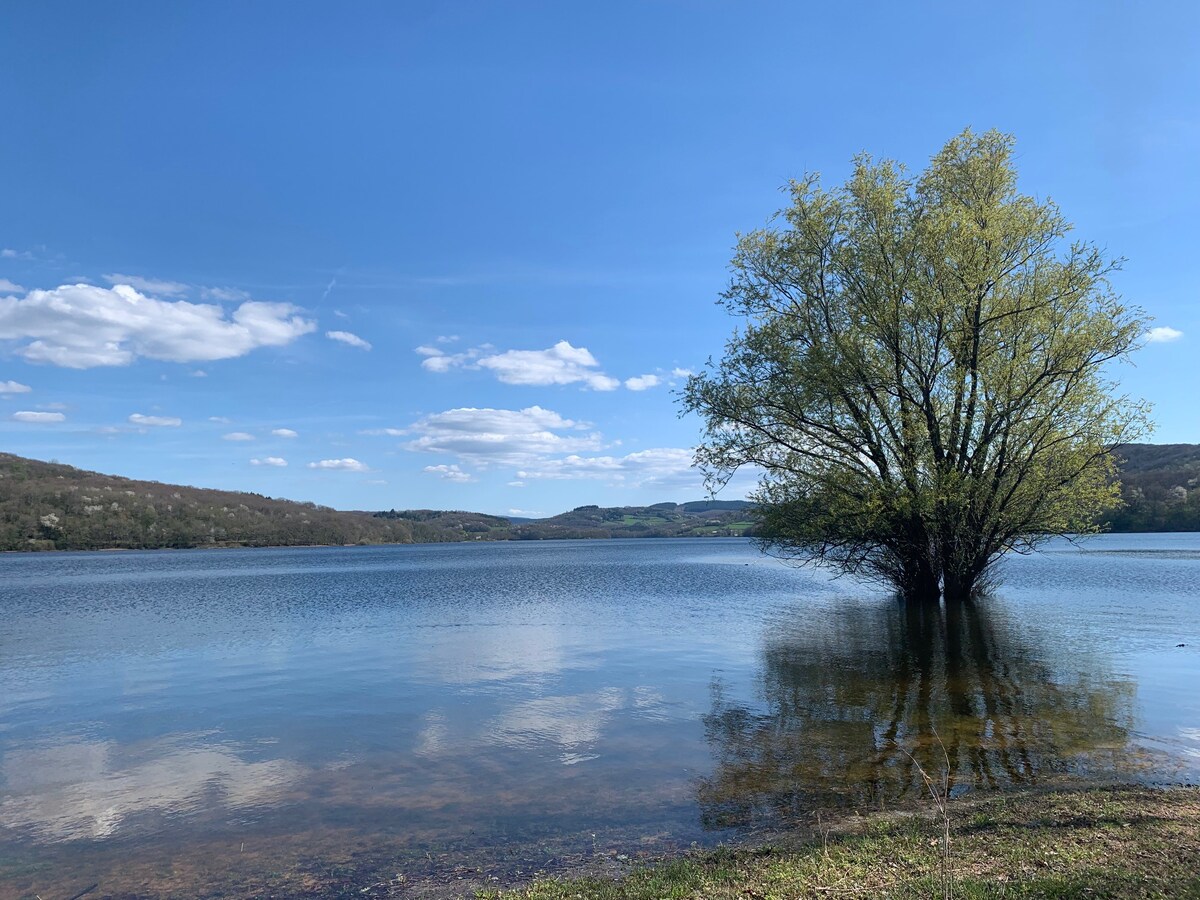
(1121, 843)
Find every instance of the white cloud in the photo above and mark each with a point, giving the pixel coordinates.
(80, 326)
(39, 417)
(1162, 334)
(501, 436)
(9, 287)
(284, 433)
(682, 373)
(220, 420)
(347, 465)
(346, 337)
(392, 432)
(560, 364)
(224, 294)
(447, 338)
(199, 373)
(664, 467)
(160, 421)
(642, 382)
(14, 387)
(276, 461)
(439, 361)
(527, 513)
(237, 436)
(10, 253)
(148, 285)
(450, 473)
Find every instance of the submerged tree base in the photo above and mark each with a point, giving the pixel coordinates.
(1101, 842)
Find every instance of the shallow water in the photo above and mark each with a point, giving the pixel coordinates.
(224, 722)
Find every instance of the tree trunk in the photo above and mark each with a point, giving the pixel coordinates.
(960, 582)
(919, 584)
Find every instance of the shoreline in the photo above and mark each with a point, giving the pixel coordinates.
(1122, 840)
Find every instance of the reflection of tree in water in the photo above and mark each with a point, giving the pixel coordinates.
(847, 701)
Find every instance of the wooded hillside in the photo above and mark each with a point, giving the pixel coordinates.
(1160, 484)
(49, 506)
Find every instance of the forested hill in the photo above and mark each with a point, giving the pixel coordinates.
(1160, 484)
(702, 518)
(48, 506)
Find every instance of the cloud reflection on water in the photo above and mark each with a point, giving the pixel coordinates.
(92, 789)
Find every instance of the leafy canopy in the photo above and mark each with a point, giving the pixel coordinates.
(923, 373)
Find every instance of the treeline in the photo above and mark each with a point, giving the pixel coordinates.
(48, 506)
(1160, 487)
(698, 519)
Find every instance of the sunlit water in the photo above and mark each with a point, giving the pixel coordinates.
(312, 720)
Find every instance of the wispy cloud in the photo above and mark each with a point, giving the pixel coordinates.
(346, 465)
(156, 421)
(9, 287)
(284, 433)
(14, 387)
(450, 473)
(347, 337)
(40, 418)
(237, 436)
(224, 294)
(153, 286)
(276, 461)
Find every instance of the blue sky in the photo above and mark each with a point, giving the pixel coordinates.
(458, 255)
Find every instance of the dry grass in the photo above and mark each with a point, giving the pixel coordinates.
(1119, 842)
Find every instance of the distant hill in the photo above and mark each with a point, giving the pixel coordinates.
(1160, 484)
(698, 519)
(49, 506)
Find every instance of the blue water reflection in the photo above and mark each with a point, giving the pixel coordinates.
(408, 701)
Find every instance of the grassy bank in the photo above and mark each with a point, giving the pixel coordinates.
(1112, 842)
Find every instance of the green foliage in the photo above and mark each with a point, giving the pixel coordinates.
(47, 506)
(922, 376)
(1160, 488)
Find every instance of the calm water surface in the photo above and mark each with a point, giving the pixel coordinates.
(221, 723)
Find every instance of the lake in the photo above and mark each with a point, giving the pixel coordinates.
(219, 723)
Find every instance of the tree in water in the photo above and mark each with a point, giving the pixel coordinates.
(850, 708)
(924, 374)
